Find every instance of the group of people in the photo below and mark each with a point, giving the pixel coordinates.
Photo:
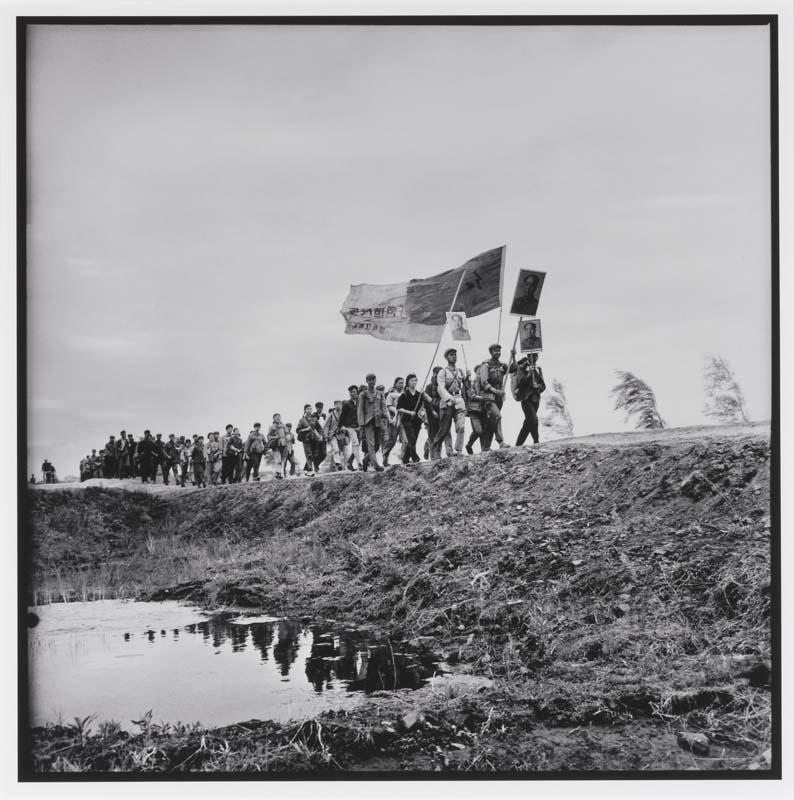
(355, 434)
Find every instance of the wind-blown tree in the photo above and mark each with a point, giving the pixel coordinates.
(636, 399)
(556, 414)
(724, 396)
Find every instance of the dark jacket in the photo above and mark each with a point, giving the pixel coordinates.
(526, 385)
(349, 416)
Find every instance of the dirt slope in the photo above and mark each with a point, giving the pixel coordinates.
(602, 582)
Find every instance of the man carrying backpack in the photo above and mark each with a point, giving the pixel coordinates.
(255, 446)
(527, 385)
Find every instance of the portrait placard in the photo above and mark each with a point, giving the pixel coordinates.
(458, 326)
(527, 296)
(529, 336)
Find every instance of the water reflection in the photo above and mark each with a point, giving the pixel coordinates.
(216, 671)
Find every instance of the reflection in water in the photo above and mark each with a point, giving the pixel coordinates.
(217, 671)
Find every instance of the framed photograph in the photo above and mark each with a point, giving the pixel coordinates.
(458, 326)
(529, 336)
(527, 294)
(225, 224)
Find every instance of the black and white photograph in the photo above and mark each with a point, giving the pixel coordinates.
(527, 293)
(529, 336)
(458, 326)
(302, 494)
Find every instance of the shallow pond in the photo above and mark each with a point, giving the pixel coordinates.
(117, 659)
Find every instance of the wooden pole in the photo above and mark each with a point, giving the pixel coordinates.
(451, 308)
(501, 290)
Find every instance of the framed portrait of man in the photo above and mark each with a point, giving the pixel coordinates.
(458, 326)
(529, 336)
(527, 296)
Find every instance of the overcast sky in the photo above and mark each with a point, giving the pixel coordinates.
(201, 199)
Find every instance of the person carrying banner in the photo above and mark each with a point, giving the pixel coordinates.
(410, 410)
(371, 413)
(527, 386)
(453, 385)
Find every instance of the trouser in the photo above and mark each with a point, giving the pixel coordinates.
(215, 469)
(133, 467)
(227, 469)
(145, 465)
(391, 434)
(110, 467)
(169, 467)
(123, 466)
(454, 411)
(372, 435)
(254, 459)
(198, 473)
(289, 458)
(530, 408)
(308, 455)
(162, 465)
(183, 477)
(409, 433)
(238, 467)
(491, 423)
(353, 447)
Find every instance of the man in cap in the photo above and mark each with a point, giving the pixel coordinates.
(237, 446)
(146, 456)
(255, 446)
(528, 385)
(371, 413)
(453, 384)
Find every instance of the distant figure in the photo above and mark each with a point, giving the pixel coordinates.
(278, 441)
(433, 413)
(392, 427)
(215, 458)
(132, 447)
(32, 479)
(304, 434)
(48, 471)
(528, 385)
(170, 459)
(185, 458)
(199, 462)
(335, 436)
(109, 464)
(255, 446)
(289, 450)
(122, 456)
(159, 459)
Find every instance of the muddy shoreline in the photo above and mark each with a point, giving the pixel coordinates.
(616, 593)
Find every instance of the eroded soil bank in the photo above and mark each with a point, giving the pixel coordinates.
(616, 591)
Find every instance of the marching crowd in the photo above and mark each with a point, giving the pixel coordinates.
(355, 434)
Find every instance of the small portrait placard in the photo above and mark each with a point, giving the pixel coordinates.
(530, 337)
(458, 326)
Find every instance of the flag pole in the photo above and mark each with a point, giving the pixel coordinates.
(515, 339)
(501, 290)
(438, 345)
